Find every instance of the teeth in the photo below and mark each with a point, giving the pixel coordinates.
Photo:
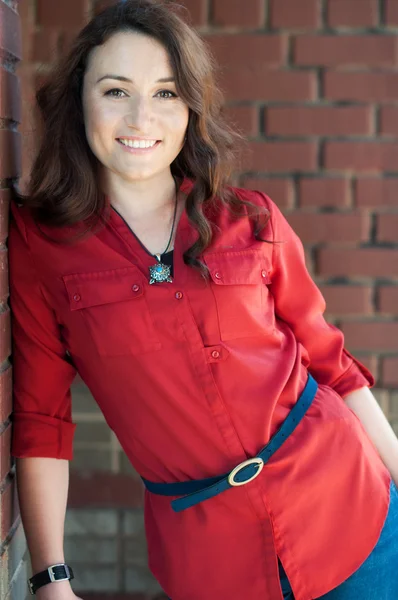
(138, 143)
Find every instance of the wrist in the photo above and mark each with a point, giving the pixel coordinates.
(61, 590)
(55, 574)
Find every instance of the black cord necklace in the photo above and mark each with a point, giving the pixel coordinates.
(159, 272)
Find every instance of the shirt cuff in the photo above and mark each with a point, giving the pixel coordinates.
(357, 376)
(36, 435)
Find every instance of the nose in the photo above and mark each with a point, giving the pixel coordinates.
(139, 113)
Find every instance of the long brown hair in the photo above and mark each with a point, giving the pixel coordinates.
(64, 189)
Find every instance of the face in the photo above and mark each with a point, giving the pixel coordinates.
(135, 121)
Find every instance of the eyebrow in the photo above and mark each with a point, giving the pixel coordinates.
(121, 78)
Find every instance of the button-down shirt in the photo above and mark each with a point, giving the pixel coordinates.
(194, 377)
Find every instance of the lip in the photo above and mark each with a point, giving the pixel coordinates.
(138, 150)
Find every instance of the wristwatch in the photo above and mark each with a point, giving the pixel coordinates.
(60, 572)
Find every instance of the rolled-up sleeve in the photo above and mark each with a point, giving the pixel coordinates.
(301, 305)
(42, 374)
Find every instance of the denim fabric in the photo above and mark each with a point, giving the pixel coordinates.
(377, 577)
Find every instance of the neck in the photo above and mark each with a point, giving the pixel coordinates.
(140, 198)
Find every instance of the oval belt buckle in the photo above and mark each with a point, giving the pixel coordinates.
(252, 461)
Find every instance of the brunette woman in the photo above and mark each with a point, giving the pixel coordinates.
(186, 307)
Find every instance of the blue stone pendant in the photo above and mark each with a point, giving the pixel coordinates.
(160, 273)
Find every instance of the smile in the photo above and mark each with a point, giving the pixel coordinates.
(138, 144)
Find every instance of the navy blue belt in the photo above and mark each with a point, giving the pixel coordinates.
(197, 490)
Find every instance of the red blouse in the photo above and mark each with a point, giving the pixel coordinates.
(194, 377)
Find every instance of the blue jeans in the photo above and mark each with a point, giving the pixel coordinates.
(377, 577)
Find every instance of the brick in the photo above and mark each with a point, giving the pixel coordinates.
(324, 192)
(290, 14)
(103, 490)
(5, 457)
(10, 105)
(347, 299)
(238, 13)
(363, 86)
(10, 31)
(104, 549)
(358, 262)
(196, 13)
(5, 335)
(361, 156)
(3, 276)
(8, 515)
(387, 228)
(5, 394)
(371, 362)
(27, 21)
(319, 120)
(5, 198)
(267, 85)
(391, 12)
(376, 192)
(280, 190)
(243, 118)
(236, 51)
(389, 120)
(10, 152)
(45, 46)
(351, 13)
(314, 228)
(73, 13)
(100, 5)
(389, 371)
(388, 299)
(89, 521)
(346, 50)
(280, 156)
(374, 336)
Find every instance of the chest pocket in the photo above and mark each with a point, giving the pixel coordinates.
(114, 310)
(244, 303)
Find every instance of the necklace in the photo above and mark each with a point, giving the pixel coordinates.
(159, 272)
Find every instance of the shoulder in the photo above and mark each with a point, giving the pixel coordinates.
(20, 220)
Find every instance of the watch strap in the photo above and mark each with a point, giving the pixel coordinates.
(53, 574)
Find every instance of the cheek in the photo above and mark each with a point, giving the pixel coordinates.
(99, 122)
(178, 123)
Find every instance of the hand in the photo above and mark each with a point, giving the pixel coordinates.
(57, 591)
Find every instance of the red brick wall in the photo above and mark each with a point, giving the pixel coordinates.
(13, 561)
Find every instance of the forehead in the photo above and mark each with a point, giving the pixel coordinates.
(129, 52)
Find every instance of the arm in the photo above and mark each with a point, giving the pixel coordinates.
(301, 305)
(299, 302)
(365, 406)
(42, 424)
(42, 491)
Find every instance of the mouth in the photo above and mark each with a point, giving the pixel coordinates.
(137, 144)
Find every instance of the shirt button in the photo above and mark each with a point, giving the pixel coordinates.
(217, 275)
(264, 273)
(76, 297)
(179, 295)
(136, 288)
(215, 354)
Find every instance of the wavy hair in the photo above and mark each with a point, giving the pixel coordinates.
(63, 188)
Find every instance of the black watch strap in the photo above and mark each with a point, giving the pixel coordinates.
(60, 572)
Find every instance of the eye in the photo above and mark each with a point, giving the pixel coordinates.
(115, 93)
(166, 94)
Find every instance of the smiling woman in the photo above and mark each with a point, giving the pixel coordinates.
(188, 311)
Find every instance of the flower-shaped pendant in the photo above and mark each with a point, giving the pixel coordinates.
(160, 273)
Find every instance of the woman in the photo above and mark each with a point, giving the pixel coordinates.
(186, 307)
